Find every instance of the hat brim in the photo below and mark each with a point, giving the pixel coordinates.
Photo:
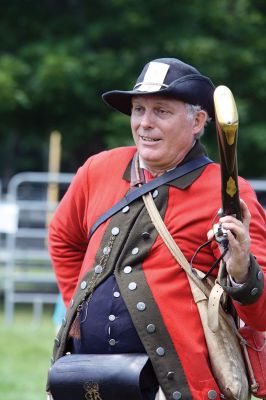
(192, 89)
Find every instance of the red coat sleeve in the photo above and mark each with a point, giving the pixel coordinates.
(255, 314)
(68, 234)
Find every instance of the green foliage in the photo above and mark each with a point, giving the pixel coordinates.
(58, 57)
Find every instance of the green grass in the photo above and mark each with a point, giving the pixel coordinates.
(25, 352)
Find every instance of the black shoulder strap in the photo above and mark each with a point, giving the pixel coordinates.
(147, 187)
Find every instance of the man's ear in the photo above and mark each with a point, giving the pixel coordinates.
(199, 121)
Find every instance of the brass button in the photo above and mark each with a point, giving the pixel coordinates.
(170, 375)
(212, 394)
(127, 269)
(83, 285)
(254, 291)
(141, 306)
(155, 193)
(132, 286)
(115, 231)
(160, 351)
(146, 235)
(259, 275)
(151, 328)
(135, 251)
(98, 269)
(176, 395)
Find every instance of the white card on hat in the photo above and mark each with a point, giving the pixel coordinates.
(154, 77)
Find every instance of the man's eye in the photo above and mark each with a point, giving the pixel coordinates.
(162, 111)
(137, 109)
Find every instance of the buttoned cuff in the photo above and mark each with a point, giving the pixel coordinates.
(250, 291)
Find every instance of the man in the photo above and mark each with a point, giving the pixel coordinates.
(131, 295)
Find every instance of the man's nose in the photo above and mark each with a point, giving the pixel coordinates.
(147, 119)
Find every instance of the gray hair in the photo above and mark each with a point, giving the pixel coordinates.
(192, 110)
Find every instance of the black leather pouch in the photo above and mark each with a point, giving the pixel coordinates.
(102, 377)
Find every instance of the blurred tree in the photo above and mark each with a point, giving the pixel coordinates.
(58, 56)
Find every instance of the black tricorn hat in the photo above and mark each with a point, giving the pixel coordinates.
(167, 77)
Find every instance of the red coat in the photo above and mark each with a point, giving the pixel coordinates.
(189, 214)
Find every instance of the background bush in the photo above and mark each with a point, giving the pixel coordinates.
(58, 56)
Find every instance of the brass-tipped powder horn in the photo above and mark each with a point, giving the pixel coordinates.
(226, 117)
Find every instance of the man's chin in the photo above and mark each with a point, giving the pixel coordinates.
(150, 155)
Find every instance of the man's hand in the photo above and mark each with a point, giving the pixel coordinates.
(237, 257)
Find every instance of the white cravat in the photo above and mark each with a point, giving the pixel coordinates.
(160, 395)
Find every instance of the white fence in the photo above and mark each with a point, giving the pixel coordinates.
(26, 267)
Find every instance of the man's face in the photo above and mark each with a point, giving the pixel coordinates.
(162, 130)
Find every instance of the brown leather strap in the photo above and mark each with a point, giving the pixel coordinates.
(200, 289)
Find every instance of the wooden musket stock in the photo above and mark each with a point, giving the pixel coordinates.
(227, 132)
